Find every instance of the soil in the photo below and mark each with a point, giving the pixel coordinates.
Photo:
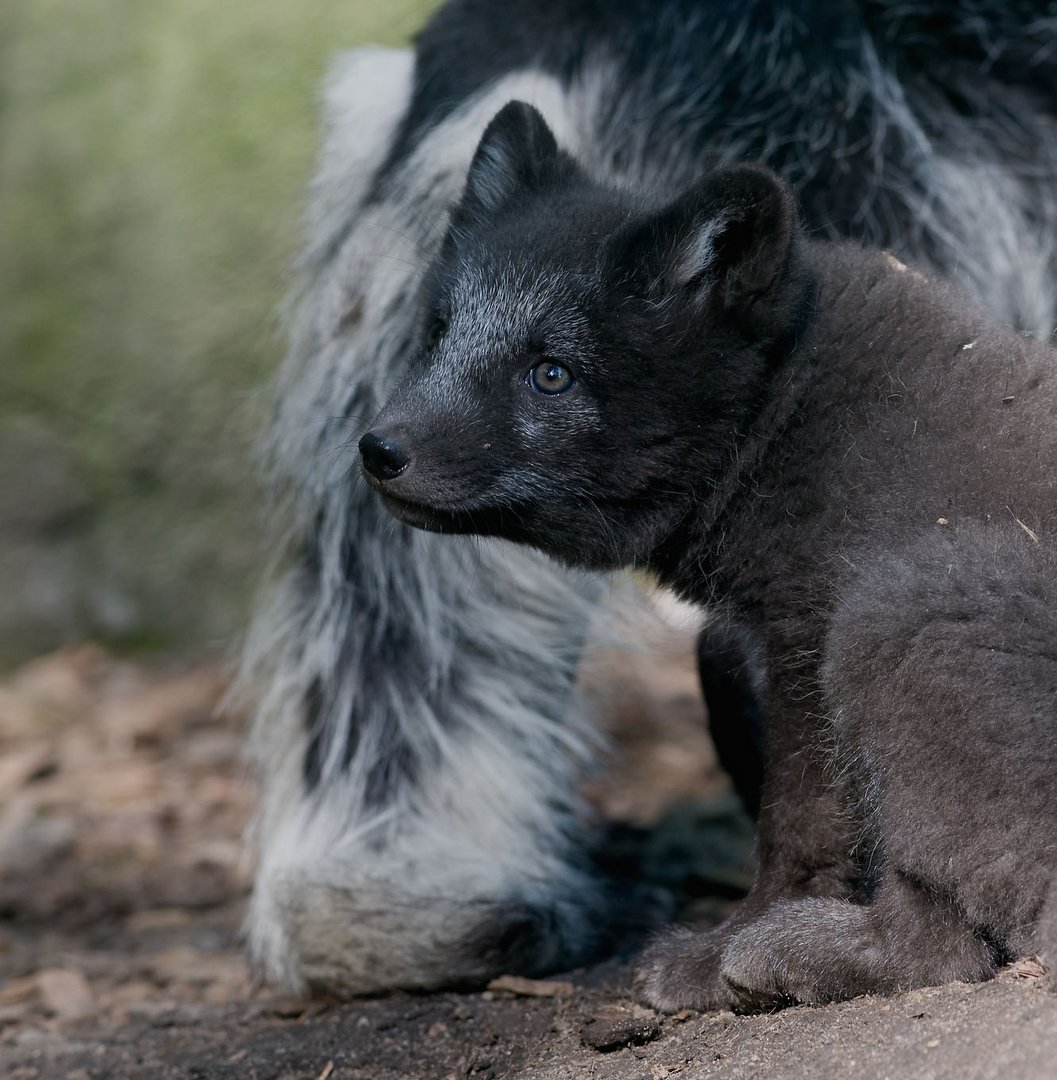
(123, 800)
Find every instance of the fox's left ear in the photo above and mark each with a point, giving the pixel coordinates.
(729, 238)
(517, 151)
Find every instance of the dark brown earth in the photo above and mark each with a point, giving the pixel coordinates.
(122, 882)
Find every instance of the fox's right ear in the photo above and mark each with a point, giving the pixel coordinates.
(517, 152)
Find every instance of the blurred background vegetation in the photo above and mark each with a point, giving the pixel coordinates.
(153, 159)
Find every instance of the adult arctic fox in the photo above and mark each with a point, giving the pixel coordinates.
(419, 742)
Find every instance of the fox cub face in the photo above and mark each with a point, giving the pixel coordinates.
(587, 358)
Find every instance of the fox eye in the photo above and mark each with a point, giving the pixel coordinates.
(550, 378)
(438, 328)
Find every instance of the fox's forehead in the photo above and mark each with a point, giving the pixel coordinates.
(505, 305)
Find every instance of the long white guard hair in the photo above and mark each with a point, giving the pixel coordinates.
(419, 742)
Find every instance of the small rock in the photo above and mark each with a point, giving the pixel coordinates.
(290, 1008)
(607, 1033)
(66, 993)
(31, 846)
(14, 1014)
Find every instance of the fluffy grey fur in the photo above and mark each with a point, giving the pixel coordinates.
(919, 603)
(419, 744)
(420, 748)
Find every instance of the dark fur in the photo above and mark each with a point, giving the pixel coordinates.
(790, 89)
(796, 93)
(796, 88)
(852, 464)
(405, 711)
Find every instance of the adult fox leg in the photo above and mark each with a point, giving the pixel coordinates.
(419, 740)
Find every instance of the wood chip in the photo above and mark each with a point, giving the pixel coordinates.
(515, 984)
(65, 992)
(18, 991)
(140, 922)
(1027, 969)
(327, 1070)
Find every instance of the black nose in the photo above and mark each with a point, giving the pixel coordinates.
(383, 457)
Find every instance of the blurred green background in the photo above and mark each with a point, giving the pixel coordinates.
(153, 159)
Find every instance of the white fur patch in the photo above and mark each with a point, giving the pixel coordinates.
(351, 896)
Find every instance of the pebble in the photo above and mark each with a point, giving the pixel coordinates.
(605, 1033)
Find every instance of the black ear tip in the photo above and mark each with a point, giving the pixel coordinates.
(518, 111)
(755, 193)
(517, 151)
(518, 120)
(758, 183)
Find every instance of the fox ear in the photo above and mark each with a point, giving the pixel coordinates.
(729, 237)
(516, 151)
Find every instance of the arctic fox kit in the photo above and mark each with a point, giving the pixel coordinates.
(422, 819)
(853, 466)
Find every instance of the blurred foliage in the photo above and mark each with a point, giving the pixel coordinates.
(153, 158)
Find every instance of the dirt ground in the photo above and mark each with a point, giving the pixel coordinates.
(122, 882)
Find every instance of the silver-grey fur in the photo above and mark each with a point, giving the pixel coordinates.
(353, 897)
(356, 894)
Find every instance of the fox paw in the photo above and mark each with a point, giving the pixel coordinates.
(681, 969)
(789, 955)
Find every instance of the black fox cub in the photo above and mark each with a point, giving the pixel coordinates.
(422, 818)
(853, 465)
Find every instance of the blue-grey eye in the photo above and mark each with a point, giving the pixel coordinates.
(437, 329)
(551, 378)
